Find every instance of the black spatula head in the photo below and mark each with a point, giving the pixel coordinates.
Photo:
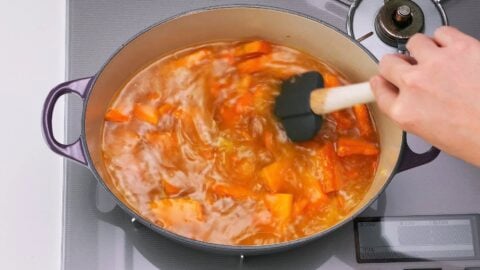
(292, 106)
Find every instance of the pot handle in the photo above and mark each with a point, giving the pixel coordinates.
(411, 159)
(73, 151)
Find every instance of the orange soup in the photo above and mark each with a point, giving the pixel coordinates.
(192, 144)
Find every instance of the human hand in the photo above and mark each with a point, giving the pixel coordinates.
(435, 93)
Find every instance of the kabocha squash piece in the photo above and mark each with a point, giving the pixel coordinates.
(177, 211)
(280, 205)
(274, 174)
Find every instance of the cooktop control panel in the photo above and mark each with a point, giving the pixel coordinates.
(417, 238)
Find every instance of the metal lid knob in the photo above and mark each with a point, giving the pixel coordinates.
(398, 20)
(403, 16)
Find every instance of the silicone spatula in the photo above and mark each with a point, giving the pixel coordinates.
(303, 101)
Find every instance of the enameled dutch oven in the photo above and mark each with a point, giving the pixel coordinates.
(219, 24)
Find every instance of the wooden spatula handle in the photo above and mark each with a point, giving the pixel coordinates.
(328, 100)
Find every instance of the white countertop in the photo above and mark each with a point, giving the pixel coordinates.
(32, 61)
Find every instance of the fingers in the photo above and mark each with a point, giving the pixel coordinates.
(409, 59)
(393, 65)
(385, 93)
(447, 35)
(421, 46)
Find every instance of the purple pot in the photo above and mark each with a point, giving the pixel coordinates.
(227, 23)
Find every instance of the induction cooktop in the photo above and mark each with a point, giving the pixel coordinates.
(427, 218)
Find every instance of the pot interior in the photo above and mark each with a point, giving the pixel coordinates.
(238, 23)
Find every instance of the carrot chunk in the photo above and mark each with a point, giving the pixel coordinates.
(244, 103)
(114, 115)
(268, 140)
(229, 57)
(196, 57)
(145, 113)
(342, 119)
(280, 205)
(251, 65)
(330, 80)
(165, 109)
(236, 192)
(244, 83)
(254, 47)
(299, 206)
(273, 175)
(350, 146)
(340, 202)
(153, 96)
(215, 87)
(363, 119)
(170, 189)
(332, 178)
(228, 116)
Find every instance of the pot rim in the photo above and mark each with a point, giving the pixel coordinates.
(225, 248)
